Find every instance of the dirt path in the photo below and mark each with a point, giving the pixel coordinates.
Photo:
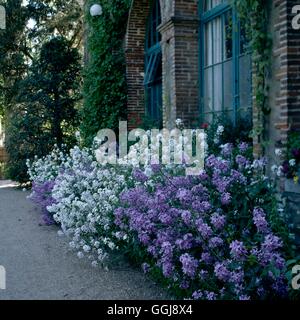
(39, 264)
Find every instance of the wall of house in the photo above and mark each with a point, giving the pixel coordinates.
(284, 96)
(134, 51)
(180, 48)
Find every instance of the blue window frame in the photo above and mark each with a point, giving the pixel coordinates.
(226, 75)
(153, 65)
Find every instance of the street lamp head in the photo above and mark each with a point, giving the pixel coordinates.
(96, 10)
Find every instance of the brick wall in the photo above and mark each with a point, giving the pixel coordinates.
(134, 51)
(284, 80)
(284, 95)
(180, 48)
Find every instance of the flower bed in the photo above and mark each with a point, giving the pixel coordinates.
(214, 236)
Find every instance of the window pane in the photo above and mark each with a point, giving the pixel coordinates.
(210, 4)
(153, 65)
(228, 35)
(245, 81)
(217, 40)
(214, 35)
(229, 116)
(218, 91)
(228, 85)
(153, 36)
(208, 44)
(208, 91)
(227, 66)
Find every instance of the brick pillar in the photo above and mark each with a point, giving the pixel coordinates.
(180, 50)
(287, 71)
(180, 47)
(134, 51)
(284, 81)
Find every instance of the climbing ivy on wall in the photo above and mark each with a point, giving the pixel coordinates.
(255, 15)
(104, 88)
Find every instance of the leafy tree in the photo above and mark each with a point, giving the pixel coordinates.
(27, 135)
(62, 18)
(46, 111)
(54, 84)
(13, 52)
(29, 25)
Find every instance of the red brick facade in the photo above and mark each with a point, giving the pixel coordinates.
(179, 30)
(180, 50)
(134, 50)
(287, 51)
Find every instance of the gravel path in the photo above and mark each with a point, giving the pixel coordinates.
(39, 264)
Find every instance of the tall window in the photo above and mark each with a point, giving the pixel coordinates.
(226, 63)
(153, 65)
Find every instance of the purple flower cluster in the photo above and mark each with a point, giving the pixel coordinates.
(184, 224)
(259, 218)
(42, 196)
(238, 250)
(218, 220)
(189, 265)
(221, 271)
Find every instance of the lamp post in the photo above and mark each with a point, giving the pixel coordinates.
(96, 10)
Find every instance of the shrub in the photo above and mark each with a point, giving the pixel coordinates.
(216, 236)
(2, 170)
(85, 195)
(42, 173)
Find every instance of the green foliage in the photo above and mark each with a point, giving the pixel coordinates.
(104, 77)
(13, 52)
(291, 165)
(60, 17)
(232, 133)
(293, 141)
(45, 112)
(255, 15)
(26, 136)
(2, 170)
(54, 84)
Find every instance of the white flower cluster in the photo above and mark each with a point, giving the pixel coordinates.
(277, 170)
(86, 194)
(219, 133)
(46, 168)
